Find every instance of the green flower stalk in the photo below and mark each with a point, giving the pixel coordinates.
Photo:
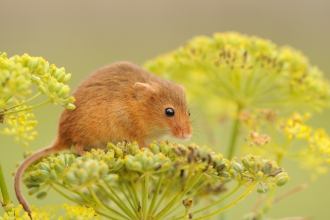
(127, 182)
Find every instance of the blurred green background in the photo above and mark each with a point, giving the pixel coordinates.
(83, 36)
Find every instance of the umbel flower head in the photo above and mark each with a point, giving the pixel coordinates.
(294, 139)
(248, 71)
(17, 74)
(126, 182)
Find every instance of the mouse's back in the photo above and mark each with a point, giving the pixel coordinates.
(120, 102)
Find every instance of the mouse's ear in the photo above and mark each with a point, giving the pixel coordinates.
(183, 88)
(143, 90)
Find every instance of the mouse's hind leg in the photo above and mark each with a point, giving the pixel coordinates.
(79, 149)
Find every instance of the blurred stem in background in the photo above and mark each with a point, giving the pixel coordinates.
(234, 133)
(4, 198)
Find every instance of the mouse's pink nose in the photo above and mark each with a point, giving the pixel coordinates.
(185, 136)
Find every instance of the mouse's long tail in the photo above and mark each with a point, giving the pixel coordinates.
(19, 173)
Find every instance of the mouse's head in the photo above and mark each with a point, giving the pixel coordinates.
(164, 105)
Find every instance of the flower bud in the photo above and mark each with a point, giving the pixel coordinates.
(282, 179)
(53, 176)
(118, 164)
(110, 179)
(33, 190)
(238, 167)
(58, 168)
(263, 188)
(70, 106)
(41, 195)
(44, 166)
(66, 78)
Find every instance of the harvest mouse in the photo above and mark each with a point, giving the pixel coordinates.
(118, 102)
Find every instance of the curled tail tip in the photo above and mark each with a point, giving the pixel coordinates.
(20, 171)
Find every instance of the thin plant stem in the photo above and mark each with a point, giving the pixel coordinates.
(173, 210)
(290, 192)
(186, 213)
(22, 103)
(134, 191)
(7, 203)
(134, 199)
(162, 198)
(234, 134)
(105, 215)
(76, 192)
(118, 201)
(215, 203)
(85, 198)
(194, 180)
(269, 200)
(220, 200)
(3, 186)
(29, 108)
(99, 203)
(128, 198)
(66, 196)
(115, 195)
(135, 194)
(145, 195)
(258, 203)
(232, 203)
(154, 198)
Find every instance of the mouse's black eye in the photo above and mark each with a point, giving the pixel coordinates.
(169, 112)
(188, 112)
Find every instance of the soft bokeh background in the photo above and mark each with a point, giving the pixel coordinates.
(83, 36)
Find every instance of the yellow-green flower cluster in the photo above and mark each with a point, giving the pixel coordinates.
(316, 156)
(17, 74)
(16, 213)
(294, 126)
(249, 71)
(72, 213)
(293, 138)
(314, 144)
(21, 125)
(79, 212)
(37, 214)
(265, 171)
(14, 80)
(168, 170)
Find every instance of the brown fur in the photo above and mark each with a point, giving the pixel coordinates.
(118, 102)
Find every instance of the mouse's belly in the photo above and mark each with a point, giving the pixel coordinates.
(156, 136)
